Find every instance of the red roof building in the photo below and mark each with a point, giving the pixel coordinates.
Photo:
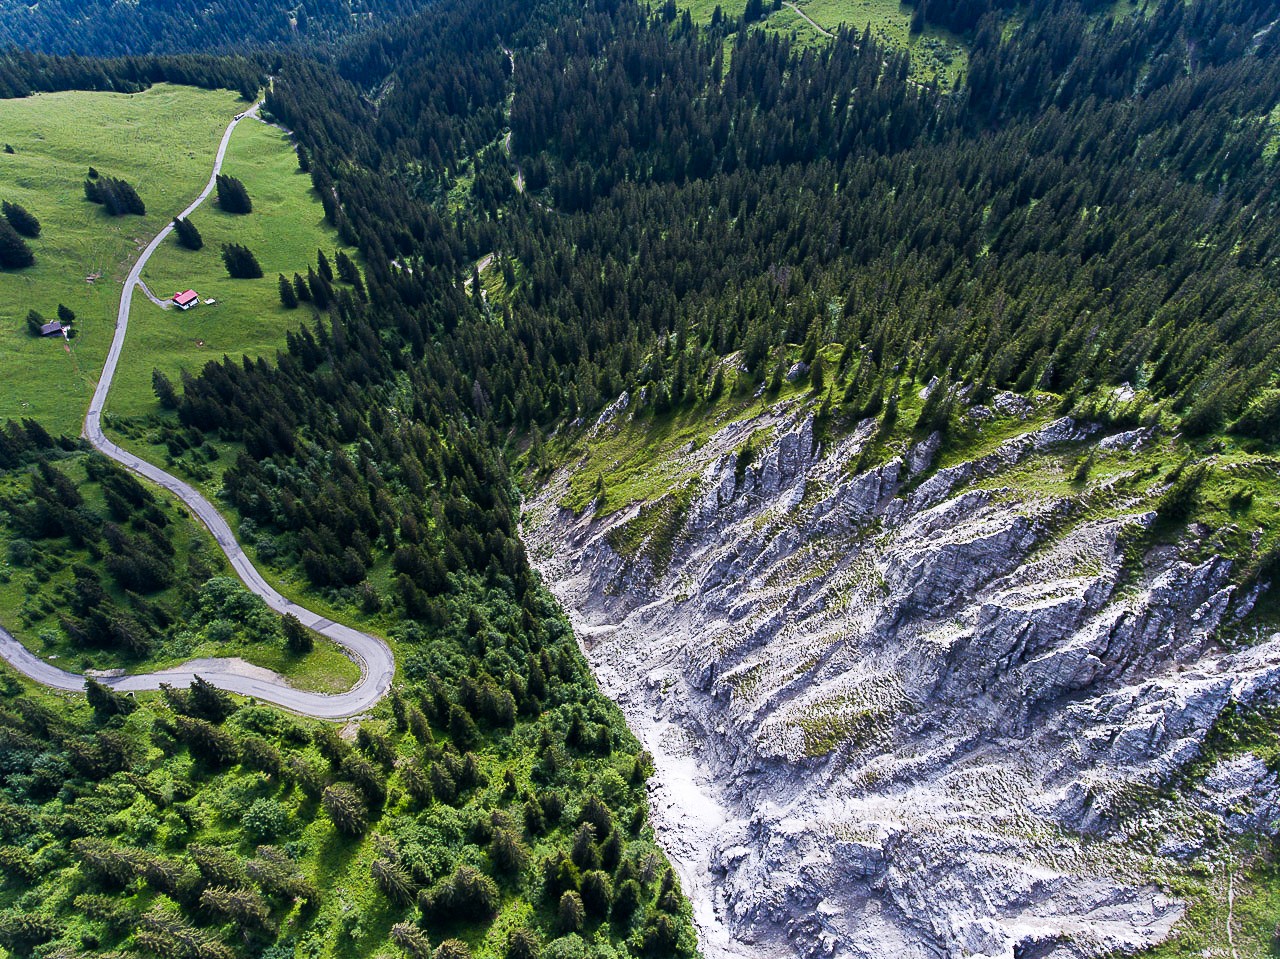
(186, 299)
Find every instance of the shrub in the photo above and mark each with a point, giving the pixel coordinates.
(264, 820)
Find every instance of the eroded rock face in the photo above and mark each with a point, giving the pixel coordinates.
(896, 716)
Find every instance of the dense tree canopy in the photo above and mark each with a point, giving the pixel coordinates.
(112, 28)
(1095, 206)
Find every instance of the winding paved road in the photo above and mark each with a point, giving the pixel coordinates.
(377, 665)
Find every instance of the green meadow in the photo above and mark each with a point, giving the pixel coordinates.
(284, 231)
(162, 141)
(935, 53)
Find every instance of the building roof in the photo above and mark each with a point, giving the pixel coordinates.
(50, 328)
(185, 297)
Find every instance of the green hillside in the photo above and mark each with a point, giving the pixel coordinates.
(1081, 219)
(162, 141)
(114, 28)
(284, 231)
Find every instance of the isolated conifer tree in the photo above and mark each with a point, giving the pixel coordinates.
(301, 289)
(20, 219)
(240, 262)
(34, 322)
(232, 196)
(322, 264)
(14, 252)
(105, 701)
(188, 235)
(66, 315)
(296, 636)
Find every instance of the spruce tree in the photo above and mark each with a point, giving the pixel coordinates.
(14, 252)
(296, 636)
(347, 270)
(240, 262)
(188, 235)
(22, 221)
(288, 298)
(232, 196)
(162, 386)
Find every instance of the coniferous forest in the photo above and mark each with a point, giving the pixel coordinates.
(110, 28)
(1094, 205)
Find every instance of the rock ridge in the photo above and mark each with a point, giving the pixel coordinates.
(900, 711)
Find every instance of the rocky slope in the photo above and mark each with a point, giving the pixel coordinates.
(915, 711)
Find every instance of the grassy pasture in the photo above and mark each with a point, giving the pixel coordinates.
(56, 138)
(284, 231)
(162, 141)
(934, 53)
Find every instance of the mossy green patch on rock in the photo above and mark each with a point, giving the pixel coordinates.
(652, 533)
